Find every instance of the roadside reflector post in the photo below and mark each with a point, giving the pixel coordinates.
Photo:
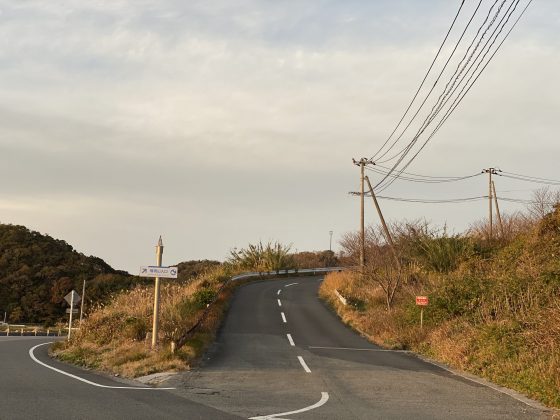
(422, 301)
(155, 326)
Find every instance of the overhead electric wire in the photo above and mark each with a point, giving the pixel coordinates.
(433, 113)
(423, 80)
(433, 86)
(463, 92)
(459, 69)
(425, 200)
(423, 178)
(529, 178)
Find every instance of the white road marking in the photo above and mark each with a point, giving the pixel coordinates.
(303, 364)
(279, 291)
(283, 317)
(291, 284)
(290, 339)
(355, 349)
(279, 303)
(32, 355)
(322, 401)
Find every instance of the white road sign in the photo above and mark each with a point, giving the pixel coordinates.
(68, 298)
(163, 272)
(74, 311)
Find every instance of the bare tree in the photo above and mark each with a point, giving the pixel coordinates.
(543, 202)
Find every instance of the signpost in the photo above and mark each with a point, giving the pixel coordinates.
(422, 301)
(157, 272)
(72, 298)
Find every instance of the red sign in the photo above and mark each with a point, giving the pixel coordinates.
(422, 300)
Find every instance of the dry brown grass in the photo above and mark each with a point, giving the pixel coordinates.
(115, 338)
(510, 336)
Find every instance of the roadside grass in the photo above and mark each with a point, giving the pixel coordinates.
(493, 313)
(115, 338)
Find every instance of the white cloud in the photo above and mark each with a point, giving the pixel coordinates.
(239, 120)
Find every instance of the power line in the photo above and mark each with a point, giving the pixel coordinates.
(422, 178)
(462, 94)
(423, 80)
(425, 200)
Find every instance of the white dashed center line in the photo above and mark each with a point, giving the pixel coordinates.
(291, 340)
(303, 364)
(279, 303)
(283, 317)
(279, 291)
(291, 284)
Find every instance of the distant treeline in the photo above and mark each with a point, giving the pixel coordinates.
(37, 271)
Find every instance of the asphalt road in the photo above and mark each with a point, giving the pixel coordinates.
(281, 353)
(254, 370)
(29, 390)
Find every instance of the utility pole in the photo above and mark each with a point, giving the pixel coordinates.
(498, 209)
(155, 326)
(385, 228)
(362, 164)
(490, 172)
(83, 300)
(330, 240)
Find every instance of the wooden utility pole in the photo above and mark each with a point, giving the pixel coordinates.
(490, 172)
(385, 228)
(362, 164)
(498, 209)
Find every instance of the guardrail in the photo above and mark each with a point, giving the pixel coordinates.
(21, 330)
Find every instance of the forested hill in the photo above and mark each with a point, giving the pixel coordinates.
(37, 271)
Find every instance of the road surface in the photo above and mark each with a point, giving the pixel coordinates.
(280, 354)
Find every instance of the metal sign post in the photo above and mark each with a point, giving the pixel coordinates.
(72, 298)
(422, 301)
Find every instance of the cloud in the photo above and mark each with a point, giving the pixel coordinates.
(220, 123)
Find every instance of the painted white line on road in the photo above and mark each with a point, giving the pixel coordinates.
(279, 303)
(303, 364)
(322, 401)
(283, 317)
(291, 284)
(356, 349)
(290, 339)
(279, 291)
(32, 355)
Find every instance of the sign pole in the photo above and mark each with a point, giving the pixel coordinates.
(71, 313)
(421, 317)
(155, 327)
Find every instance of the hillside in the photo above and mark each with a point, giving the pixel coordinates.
(494, 304)
(37, 271)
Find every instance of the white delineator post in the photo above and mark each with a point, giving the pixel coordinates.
(155, 326)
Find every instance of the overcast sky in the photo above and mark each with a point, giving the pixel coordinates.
(219, 123)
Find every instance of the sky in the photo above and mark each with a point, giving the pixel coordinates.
(221, 123)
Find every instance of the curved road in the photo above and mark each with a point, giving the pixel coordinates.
(280, 354)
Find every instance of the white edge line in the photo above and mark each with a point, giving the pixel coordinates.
(279, 303)
(283, 317)
(303, 364)
(291, 284)
(32, 355)
(290, 339)
(322, 401)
